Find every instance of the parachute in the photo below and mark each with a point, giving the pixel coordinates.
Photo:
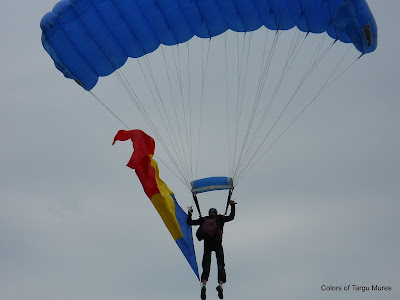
(254, 65)
(88, 39)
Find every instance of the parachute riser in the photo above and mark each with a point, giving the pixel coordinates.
(229, 199)
(211, 184)
(197, 203)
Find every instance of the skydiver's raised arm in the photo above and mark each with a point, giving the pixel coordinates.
(192, 222)
(232, 214)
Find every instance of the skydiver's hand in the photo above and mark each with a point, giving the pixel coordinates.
(231, 202)
(190, 209)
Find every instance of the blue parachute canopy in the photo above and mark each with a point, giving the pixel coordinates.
(211, 184)
(87, 39)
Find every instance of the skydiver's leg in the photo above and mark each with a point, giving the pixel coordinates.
(221, 265)
(221, 271)
(206, 264)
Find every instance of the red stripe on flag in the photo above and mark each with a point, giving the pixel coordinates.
(140, 160)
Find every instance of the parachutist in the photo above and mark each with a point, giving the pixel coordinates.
(210, 230)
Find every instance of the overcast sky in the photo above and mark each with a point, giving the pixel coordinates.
(321, 208)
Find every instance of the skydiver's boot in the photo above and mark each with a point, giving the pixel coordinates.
(203, 292)
(220, 292)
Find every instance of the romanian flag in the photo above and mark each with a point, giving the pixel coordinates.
(158, 192)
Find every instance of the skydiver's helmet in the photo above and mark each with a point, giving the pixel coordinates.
(212, 212)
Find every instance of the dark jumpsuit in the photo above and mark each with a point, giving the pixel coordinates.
(213, 245)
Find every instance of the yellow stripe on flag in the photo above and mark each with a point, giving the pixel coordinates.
(165, 204)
